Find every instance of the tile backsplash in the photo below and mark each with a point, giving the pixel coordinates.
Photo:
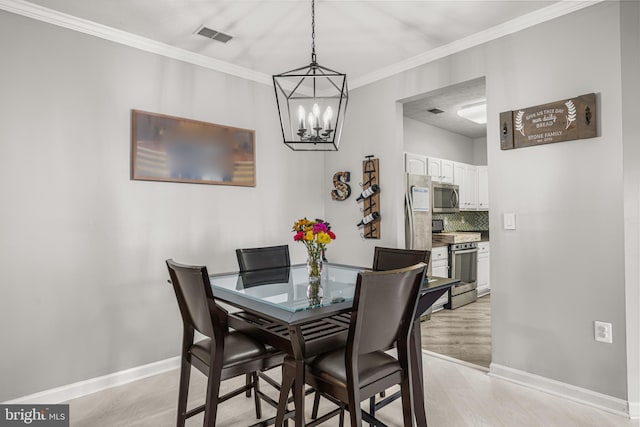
(465, 221)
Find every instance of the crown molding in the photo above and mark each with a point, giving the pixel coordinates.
(548, 13)
(40, 13)
(30, 10)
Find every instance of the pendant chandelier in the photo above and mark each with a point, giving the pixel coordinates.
(312, 101)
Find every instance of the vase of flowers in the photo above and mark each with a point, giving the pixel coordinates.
(315, 235)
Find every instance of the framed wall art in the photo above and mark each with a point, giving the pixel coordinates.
(174, 149)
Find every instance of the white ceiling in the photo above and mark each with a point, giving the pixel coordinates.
(272, 36)
(449, 100)
(367, 40)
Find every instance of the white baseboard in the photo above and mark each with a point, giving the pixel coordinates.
(577, 394)
(634, 410)
(453, 360)
(556, 388)
(82, 388)
(484, 292)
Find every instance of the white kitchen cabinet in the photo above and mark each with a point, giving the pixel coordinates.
(470, 188)
(446, 168)
(440, 170)
(483, 268)
(440, 268)
(415, 164)
(472, 180)
(483, 188)
(458, 173)
(465, 177)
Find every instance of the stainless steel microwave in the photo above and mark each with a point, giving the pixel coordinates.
(446, 198)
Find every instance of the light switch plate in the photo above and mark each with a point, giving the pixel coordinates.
(509, 221)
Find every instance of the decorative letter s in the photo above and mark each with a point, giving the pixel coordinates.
(343, 190)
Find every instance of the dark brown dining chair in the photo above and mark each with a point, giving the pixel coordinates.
(223, 354)
(390, 259)
(252, 259)
(260, 258)
(384, 306)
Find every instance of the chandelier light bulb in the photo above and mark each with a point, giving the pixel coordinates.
(316, 115)
(301, 116)
(310, 119)
(328, 115)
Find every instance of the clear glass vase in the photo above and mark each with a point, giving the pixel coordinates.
(314, 290)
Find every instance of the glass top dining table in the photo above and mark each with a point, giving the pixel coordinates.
(275, 308)
(283, 292)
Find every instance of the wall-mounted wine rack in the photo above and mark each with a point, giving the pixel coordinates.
(371, 204)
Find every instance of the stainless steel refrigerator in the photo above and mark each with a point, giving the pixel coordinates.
(418, 201)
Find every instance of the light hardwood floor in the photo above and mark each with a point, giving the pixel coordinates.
(464, 333)
(456, 396)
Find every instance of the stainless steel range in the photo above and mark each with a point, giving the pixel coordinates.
(463, 262)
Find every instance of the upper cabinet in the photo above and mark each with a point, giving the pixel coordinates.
(415, 164)
(483, 188)
(472, 180)
(466, 177)
(440, 170)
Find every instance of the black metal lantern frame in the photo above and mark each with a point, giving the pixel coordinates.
(312, 102)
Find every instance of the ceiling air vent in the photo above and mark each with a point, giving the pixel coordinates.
(435, 110)
(213, 34)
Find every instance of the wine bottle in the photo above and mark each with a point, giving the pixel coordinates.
(367, 219)
(368, 192)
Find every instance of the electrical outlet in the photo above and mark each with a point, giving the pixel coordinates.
(603, 332)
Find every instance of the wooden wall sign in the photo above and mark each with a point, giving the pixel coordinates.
(342, 189)
(565, 120)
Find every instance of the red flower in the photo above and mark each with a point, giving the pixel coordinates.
(332, 235)
(299, 235)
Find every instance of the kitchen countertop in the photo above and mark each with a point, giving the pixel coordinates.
(455, 237)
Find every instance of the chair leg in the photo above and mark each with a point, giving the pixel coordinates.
(405, 391)
(355, 413)
(287, 384)
(213, 391)
(372, 405)
(256, 397)
(316, 404)
(247, 382)
(183, 391)
(341, 418)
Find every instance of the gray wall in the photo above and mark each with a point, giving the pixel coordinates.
(480, 151)
(83, 287)
(84, 292)
(560, 270)
(421, 138)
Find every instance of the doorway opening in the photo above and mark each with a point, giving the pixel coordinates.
(441, 140)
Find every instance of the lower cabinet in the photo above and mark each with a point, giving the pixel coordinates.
(440, 268)
(483, 268)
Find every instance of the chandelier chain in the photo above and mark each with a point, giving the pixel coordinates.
(313, 31)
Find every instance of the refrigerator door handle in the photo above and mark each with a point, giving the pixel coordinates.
(409, 207)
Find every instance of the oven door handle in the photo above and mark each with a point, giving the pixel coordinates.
(465, 251)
